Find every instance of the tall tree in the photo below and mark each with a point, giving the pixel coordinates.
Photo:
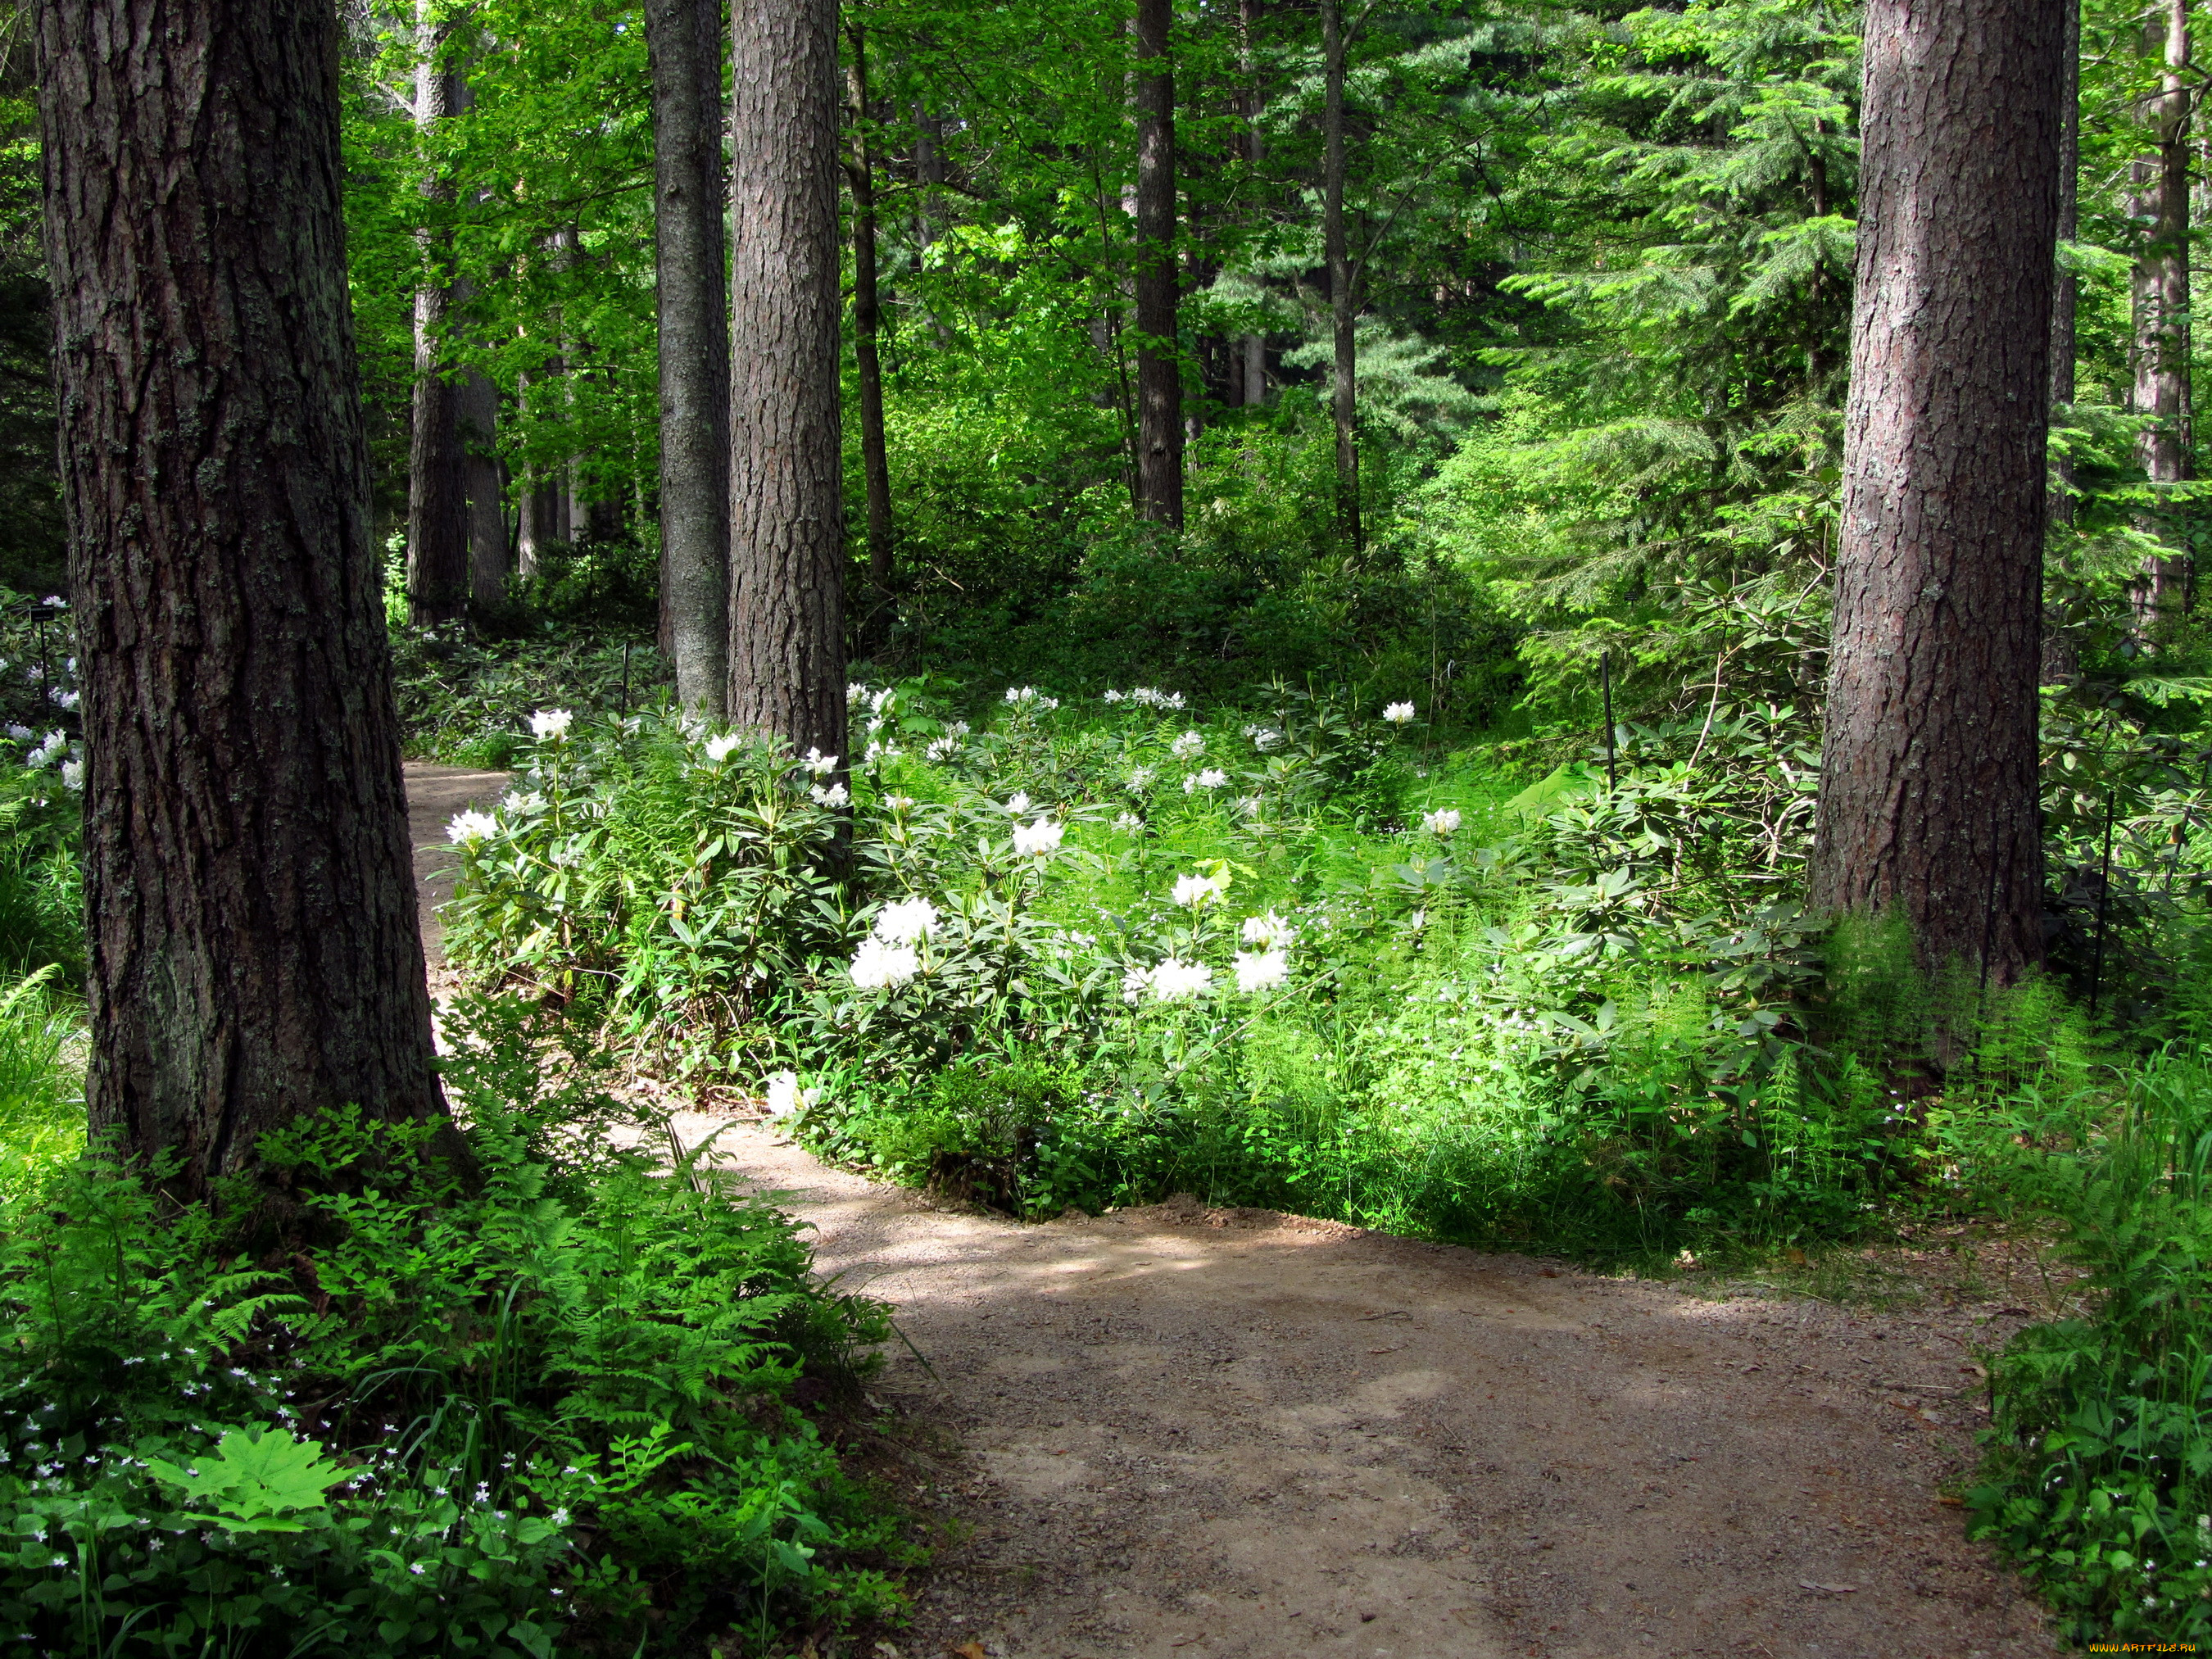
(2065, 289)
(875, 463)
(2161, 181)
(437, 482)
(683, 39)
(484, 483)
(1159, 366)
(254, 951)
(787, 489)
(1343, 388)
(1252, 347)
(1928, 802)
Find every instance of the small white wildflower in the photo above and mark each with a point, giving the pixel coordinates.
(1018, 802)
(56, 600)
(942, 750)
(720, 749)
(957, 729)
(1443, 821)
(880, 701)
(1260, 970)
(1141, 780)
(1189, 744)
(1213, 778)
(1036, 840)
(66, 699)
(854, 692)
(21, 733)
(899, 802)
(1269, 932)
(1399, 714)
(907, 921)
(1130, 822)
(1113, 696)
(784, 1097)
(820, 764)
(1201, 889)
(876, 966)
(1174, 980)
(834, 797)
(550, 723)
(72, 774)
(1266, 740)
(1018, 694)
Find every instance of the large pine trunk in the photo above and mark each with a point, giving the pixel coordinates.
(253, 942)
(2160, 181)
(684, 39)
(867, 318)
(1159, 371)
(437, 464)
(1928, 786)
(787, 489)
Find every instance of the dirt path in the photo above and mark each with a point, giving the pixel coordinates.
(1188, 1434)
(435, 793)
(1184, 1434)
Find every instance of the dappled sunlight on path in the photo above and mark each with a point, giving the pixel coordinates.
(1186, 1433)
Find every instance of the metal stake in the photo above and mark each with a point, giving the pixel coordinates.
(1605, 679)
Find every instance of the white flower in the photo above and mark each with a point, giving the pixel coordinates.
(1269, 932)
(854, 692)
(21, 733)
(1213, 778)
(1200, 889)
(1028, 696)
(1441, 823)
(528, 805)
(1113, 696)
(1130, 822)
(879, 701)
(720, 749)
(907, 921)
(1141, 780)
(550, 723)
(942, 749)
(820, 764)
(1135, 983)
(55, 599)
(957, 729)
(1188, 744)
(875, 725)
(468, 827)
(898, 803)
(1036, 840)
(878, 966)
(1020, 802)
(73, 774)
(1266, 739)
(835, 796)
(1174, 980)
(65, 699)
(1249, 806)
(785, 1097)
(1399, 714)
(1260, 970)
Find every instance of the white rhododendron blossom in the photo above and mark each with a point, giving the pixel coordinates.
(20, 733)
(1441, 823)
(1141, 780)
(957, 729)
(833, 797)
(1213, 778)
(72, 774)
(1188, 745)
(1399, 714)
(1269, 932)
(1130, 822)
(899, 802)
(1028, 696)
(720, 749)
(1197, 890)
(1036, 840)
(942, 749)
(1176, 981)
(529, 804)
(854, 692)
(1134, 984)
(1113, 696)
(879, 702)
(878, 966)
(907, 922)
(550, 723)
(1265, 739)
(1261, 970)
(468, 827)
(1151, 697)
(1018, 802)
(820, 764)
(785, 1097)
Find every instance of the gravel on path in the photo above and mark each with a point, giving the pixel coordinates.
(1187, 1433)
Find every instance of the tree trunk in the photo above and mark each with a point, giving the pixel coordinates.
(1928, 785)
(1251, 347)
(254, 951)
(437, 484)
(875, 463)
(485, 482)
(1159, 371)
(2065, 290)
(1343, 392)
(2162, 306)
(684, 38)
(787, 492)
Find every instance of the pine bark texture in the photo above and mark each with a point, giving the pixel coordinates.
(683, 39)
(1252, 349)
(2066, 290)
(2161, 302)
(437, 483)
(787, 491)
(484, 480)
(1344, 386)
(1927, 800)
(254, 949)
(867, 320)
(1159, 370)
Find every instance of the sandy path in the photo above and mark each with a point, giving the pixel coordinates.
(1185, 1434)
(435, 793)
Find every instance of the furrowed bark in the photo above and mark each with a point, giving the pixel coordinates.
(875, 463)
(1159, 370)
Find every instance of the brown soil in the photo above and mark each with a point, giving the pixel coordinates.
(1184, 1433)
(435, 793)
(1179, 1432)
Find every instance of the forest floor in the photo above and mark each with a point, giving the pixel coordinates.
(1185, 1433)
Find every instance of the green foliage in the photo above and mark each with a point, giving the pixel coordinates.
(553, 1410)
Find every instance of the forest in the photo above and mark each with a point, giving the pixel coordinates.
(1549, 634)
